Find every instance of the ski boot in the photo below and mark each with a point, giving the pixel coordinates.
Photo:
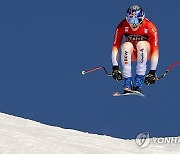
(127, 86)
(138, 82)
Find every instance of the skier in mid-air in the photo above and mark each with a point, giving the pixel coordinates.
(140, 45)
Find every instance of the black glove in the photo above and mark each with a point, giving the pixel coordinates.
(150, 77)
(116, 73)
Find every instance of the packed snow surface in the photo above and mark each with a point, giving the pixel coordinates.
(22, 136)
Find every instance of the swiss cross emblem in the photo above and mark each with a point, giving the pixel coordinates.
(126, 29)
(145, 30)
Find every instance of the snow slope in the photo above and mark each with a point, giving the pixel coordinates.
(19, 136)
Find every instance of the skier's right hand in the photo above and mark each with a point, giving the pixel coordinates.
(116, 73)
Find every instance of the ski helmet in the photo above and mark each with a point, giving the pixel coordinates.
(135, 15)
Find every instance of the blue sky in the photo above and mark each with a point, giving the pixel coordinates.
(46, 44)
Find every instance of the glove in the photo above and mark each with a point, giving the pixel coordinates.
(150, 77)
(116, 73)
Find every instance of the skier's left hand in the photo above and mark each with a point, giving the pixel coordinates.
(150, 77)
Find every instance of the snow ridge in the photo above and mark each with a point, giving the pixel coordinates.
(23, 136)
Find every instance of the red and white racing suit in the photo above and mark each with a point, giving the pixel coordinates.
(140, 45)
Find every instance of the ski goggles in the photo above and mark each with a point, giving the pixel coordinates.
(132, 21)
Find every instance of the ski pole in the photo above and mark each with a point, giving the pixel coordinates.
(109, 74)
(168, 69)
(95, 69)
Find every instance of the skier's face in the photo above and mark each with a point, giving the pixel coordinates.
(134, 27)
(134, 23)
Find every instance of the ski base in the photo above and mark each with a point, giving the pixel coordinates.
(136, 93)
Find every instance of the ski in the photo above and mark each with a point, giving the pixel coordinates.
(135, 93)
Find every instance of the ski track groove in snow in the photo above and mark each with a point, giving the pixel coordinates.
(22, 136)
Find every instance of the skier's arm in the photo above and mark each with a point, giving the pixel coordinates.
(116, 44)
(154, 42)
(116, 73)
(151, 76)
(115, 56)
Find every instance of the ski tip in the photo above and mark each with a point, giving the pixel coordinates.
(116, 94)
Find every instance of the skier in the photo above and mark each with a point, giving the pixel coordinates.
(140, 45)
